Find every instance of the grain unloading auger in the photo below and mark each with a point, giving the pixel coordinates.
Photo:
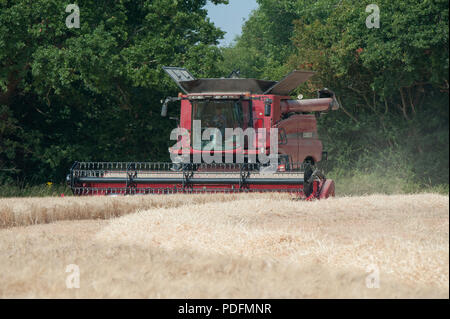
(222, 163)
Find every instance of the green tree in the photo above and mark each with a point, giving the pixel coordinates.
(392, 81)
(265, 44)
(93, 93)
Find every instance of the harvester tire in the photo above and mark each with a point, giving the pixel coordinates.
(308, 186)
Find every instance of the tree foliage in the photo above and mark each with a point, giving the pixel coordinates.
(93, 93)
(392, 81)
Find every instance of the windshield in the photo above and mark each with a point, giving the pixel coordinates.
(221, 114)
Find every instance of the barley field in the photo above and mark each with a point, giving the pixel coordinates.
(226, 246)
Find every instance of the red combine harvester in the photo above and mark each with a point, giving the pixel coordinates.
(273, 146)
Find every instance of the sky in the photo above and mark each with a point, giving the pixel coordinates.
(230, 18)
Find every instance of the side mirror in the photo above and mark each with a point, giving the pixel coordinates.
(165, 103)
(164, 109)
(268, 107)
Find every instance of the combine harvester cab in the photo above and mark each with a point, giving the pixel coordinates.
(258, 112)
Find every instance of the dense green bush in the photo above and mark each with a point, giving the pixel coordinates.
(392, 83)
(93, 93)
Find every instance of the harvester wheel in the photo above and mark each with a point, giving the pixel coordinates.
(308, 186)
(309, 161)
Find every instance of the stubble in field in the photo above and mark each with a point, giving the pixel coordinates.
(238, 247)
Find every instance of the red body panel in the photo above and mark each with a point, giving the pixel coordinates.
(300, 130)
(327, 190)
(114, 188)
